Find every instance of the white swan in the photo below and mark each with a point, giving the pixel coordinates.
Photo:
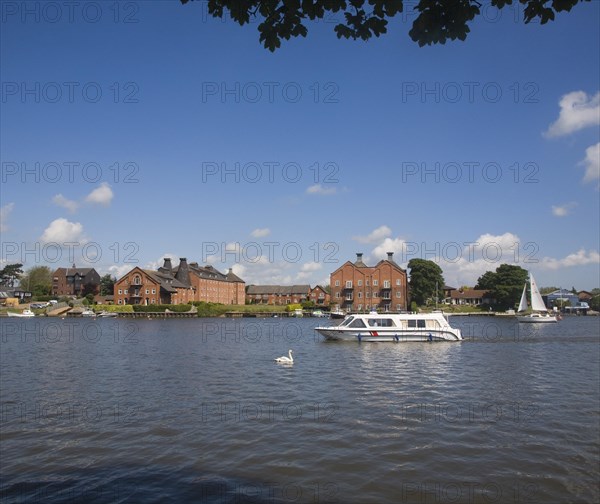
(286, 360)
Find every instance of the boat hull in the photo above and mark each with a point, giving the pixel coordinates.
(24, 314)
(395, 336)
(537, 319)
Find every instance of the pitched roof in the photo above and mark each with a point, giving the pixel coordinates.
(73, 271)
(232, 277)
(469, 294)
(166, 281)
(282, 290)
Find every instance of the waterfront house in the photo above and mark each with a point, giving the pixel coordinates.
(319, 296)
(358, 287)
(182, 284)
(473, 297)
(277, 294)
(560, 298)
(75, 282)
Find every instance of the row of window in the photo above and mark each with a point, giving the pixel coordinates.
(126, 291)
(135, 301)
(386, 307)
(384, 295)
(386, 283)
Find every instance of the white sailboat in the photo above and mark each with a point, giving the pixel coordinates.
(539, 313)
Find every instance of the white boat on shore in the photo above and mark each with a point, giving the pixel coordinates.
(25, 313)
(337, 314)
(396, 327)
(539, 313)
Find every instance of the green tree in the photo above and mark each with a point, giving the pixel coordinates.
(505, 284)
(37, 280)
(437, 20)
(107, 284)
(547, 290)
(487, 281)
(10, 274)
(595, 301)
(425, 276)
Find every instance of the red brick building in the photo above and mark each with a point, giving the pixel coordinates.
(358, 287)
(319, 296)
(277, 294)
(180, 285)
(75, 282)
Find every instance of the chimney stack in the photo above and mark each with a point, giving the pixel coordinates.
(359, 262)
(183, 274)
(390, 256)
(167, 265)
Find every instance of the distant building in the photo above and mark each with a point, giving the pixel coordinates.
(75, 282)
(358, 287)
(472, 297)
(277, 294)
(560, 298)
(319, 296)
(182, 284)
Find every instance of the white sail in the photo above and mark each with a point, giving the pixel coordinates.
(523, 303)
(537, 303)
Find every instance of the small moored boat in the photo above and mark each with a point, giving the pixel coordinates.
(397, 327)
(25, 313)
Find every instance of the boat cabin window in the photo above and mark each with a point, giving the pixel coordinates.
(357, 323)
(420, 323)
(383, 322)
(347, 321)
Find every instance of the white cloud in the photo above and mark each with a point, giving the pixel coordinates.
(61, 201)
(102, 195)
(563, 210)
(158, 263)
(320, 190)
(374, 236)
(63, 231)
(506, 241)
(463, 262)
(577, 111)
(261, 232)
(579, 258)
(591, 163)
(120, 269)
(395, 245)
(308, 269)
(4, 213)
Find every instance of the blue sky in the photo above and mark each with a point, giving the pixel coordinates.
(149, 130)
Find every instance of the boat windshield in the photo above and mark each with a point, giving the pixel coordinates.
(357, 322)
(346, 322)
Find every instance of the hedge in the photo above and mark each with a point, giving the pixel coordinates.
(114, 308)
(179, 308)
(210, 309)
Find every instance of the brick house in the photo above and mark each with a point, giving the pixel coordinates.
(209, 284)
(358, 287)
(319, 296)
(277, 294)
(75, 282)
(182, 284)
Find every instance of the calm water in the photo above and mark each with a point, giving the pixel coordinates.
(197, 411)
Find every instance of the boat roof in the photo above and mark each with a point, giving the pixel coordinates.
(397, 315)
